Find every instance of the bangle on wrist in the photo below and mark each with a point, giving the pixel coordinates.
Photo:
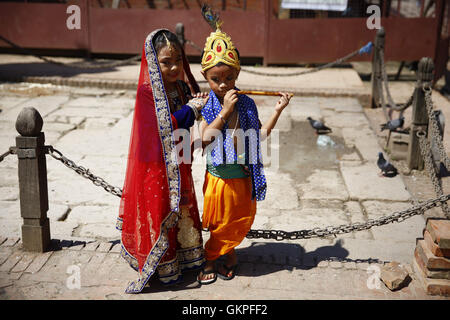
(223, 120)
(194, 109)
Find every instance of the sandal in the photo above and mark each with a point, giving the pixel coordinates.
(225, 276)
(207, 281)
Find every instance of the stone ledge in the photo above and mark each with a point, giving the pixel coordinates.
(362, 95)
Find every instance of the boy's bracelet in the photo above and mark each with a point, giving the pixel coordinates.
(223, 120)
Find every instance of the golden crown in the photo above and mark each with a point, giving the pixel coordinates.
(219, 48)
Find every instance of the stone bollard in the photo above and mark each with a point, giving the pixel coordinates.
(32, 181)
(419, 114)
(376, 77)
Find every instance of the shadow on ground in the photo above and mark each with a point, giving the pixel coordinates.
(257, 254)
(258, 259)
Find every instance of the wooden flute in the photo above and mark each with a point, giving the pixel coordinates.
(262, 93)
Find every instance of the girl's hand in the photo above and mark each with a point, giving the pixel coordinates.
(229, 101)
(201, 95)
(199, 102)
(283, 102)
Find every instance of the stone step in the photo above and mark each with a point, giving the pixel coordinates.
(438, 274)
(433, 246)
(432, 286)
(431, 261)
(439, 230)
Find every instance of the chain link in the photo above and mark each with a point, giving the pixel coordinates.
(82, 65)
(399, 216)
(427, 155)
(325, 66)
(385, 83)
(84, 172)
(278, 235)
(7, 153)
(435, 132)
(328, 65)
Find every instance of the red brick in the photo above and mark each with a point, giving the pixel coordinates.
(433, 246)
(432, 286)
(394, 275)
(440, 232)
(439, 274)
(431, 261)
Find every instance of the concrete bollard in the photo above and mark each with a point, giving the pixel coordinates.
(376, 77)
(32, 181)
(419, 114)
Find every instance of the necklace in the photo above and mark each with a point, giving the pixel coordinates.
(173, 94)
(235, 126)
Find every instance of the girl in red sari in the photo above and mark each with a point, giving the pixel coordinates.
(158, 215)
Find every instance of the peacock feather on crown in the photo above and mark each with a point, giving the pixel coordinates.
(218, 46)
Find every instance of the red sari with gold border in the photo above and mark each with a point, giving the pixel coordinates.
(158, 215)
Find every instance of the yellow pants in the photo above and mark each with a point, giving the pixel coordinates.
(228, 213)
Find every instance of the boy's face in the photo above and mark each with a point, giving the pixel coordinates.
(221, 79)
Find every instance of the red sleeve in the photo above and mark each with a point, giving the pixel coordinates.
(174, 122)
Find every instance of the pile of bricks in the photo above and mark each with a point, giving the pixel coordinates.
(432, 257)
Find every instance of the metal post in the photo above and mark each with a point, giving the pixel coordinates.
(32, 181)
(376, 68)
(419, 113)
(267, 17)
(179, 31)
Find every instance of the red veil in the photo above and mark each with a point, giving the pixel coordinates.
(150, 202)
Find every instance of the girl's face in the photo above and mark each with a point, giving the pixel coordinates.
(221, 79)
(170, 62)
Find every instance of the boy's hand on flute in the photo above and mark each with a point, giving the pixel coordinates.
(229, 101)
(283, 102)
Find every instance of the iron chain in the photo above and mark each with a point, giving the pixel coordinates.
(84, 172)
(328, 65)
(280, 235)
(427, 155)
(78, 65)
(435, 132)
(7, 153)
(385, 83)
(399, 216)
(325, 66)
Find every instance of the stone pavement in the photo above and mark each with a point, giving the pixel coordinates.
(309, 186)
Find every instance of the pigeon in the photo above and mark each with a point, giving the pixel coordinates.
(393, 125)
(387, 168)
(318, 126)
(443, 172)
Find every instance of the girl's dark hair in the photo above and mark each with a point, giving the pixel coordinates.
(159, 41)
